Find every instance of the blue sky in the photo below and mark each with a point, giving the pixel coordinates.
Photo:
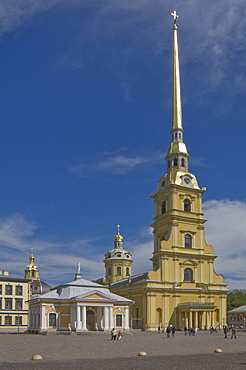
(85, 97)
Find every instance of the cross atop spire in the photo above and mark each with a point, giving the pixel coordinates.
(175, 16)
(118, 226)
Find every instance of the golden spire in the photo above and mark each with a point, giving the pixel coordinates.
(177, 106)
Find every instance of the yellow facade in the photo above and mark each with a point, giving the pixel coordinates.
(183, 289)
(14, 293)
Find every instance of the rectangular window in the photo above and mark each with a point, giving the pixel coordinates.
(230, 317)
(118, 271)
(18, 320)
(0, 320)
(18, 290)
(118, 320)
(235, 317)
(109, 271)
(18, 304)
(8, 289)
(0, 288)
(52, 320)
(8, 320)
(8, 303)
(0, 303)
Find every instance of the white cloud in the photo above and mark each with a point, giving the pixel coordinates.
(115, 163)
(226, 231)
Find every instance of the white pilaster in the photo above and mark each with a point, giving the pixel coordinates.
(111, 319)
(127, 318)
(43, 321)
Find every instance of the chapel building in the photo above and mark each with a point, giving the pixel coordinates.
(183, 288)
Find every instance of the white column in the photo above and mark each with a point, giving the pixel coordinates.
(111, 319)
(78, 324)
(43, 322)
(84, 318)
(106, 318)
(126, 318)
(99, 318)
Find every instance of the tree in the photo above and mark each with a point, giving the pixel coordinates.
(236, 298)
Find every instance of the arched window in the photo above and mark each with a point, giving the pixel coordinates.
(118, 270)
(188, 275)
(175, 162)
(163, 207)
(127, 271)
(182, 162)
(187, 205)
(187, 240)
(118, 320)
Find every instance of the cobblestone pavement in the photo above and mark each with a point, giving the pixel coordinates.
(97, 351)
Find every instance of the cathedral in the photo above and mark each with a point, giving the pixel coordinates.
(183, 288)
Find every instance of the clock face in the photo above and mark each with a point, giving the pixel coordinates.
(187, 180)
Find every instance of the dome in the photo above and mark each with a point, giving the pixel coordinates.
(39, 287)
(118, 238)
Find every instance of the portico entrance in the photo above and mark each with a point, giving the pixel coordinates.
(196, 315)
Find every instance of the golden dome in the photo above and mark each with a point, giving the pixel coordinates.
(118, 238)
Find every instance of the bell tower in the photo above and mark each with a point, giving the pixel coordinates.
(118, 261)
(178, 217)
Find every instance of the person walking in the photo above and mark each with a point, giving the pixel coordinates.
(168, 331)
(225, 329)
(233, 333)
(113, 334)
(173, 331)
(185, 330)
(120, 335)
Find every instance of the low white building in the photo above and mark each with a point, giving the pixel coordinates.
(80, 305)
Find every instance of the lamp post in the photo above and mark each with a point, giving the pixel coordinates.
(244, 323)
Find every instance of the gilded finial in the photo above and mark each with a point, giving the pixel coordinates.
(32, 252)
(118, 226)
(175, 16)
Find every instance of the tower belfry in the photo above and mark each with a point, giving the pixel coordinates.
(31, 270)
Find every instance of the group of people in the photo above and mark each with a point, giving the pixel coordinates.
(233, 332)
(114, 334)
(170, 329)
(190, 331)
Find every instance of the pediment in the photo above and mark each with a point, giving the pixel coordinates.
(93, 296)
(189, 262)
